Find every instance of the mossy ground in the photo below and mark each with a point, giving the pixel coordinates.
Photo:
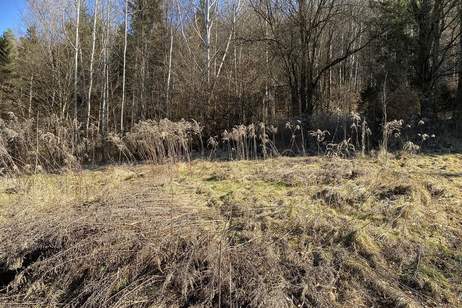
(323, 232)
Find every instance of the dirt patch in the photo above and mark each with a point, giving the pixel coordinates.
(6, 275)
(435, 190)
(394, 192)
(330, 197)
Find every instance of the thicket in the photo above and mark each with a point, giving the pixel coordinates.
(52, 145)
(263, 78)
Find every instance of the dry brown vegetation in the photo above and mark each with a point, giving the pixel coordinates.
(284, 232)
(53, 145)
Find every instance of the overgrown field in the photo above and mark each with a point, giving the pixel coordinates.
(286, 232)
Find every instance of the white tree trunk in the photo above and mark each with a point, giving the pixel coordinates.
(169, 76)
(92, 60)
(124, 69)
(225, 54)
(104, 111)
(76, 59)
(30, 95)
(208, 29)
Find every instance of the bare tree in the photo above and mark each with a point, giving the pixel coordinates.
(92, 59)
(76, 61)
(124, 77)
(169, 74)
(297, 32)
(459, 89)
(106, 36)
(436, 36)
(208, 30)
(236, 8)
(30, 96)
(230, 61)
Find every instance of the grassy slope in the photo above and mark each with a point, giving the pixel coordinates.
(283, 232)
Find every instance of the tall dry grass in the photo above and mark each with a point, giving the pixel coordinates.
(53, 144)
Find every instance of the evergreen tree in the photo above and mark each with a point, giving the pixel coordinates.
(8, 54)
(148, 37)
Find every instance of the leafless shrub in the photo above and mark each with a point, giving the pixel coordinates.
(320, 136)
(264, 139)
(274, 131)
(343, 149)
(253, 139)
(226, 137)
(212, 144)
(197, 129)
(294, 128)
(355, 127)
(392, 128)
(365, 135)
(117, 142)
(411, 148)
(244, 141)
(238, 138)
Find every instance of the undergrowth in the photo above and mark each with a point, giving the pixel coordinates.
(54, 145)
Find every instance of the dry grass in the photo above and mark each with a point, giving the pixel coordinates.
(278, 233)
(53, 145)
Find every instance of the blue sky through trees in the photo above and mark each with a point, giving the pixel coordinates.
(11, 12)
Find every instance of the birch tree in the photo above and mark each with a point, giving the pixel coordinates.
(169, 73)
(92, 59)
(124, 77)
(76, 60)
(208, 29)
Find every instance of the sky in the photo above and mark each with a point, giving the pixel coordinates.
(11, 12)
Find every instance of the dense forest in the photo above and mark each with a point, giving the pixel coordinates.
(104, 68)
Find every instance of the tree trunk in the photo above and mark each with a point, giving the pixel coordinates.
(104, 103)
(459, 89)
(267, 94)
(169, 75)
(30, 96)
(207, 39)
(76, 61)
(92, 60)
(309, 98)
(425, 42)
(303, 65)
(124, 69)
(295, 100)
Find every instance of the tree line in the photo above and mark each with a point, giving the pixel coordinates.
(105, 65)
